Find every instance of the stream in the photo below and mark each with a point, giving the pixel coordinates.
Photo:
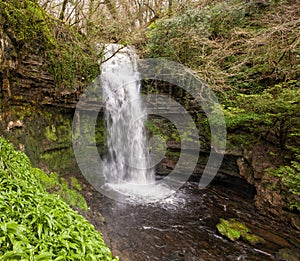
(183, 226)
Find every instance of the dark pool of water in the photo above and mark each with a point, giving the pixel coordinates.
(183, 227)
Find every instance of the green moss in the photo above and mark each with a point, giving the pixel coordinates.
(49, 182)
(288, 254)
(72, 61)
(100, 133)
(58, 160)
(253, 239)
(21, 112)
(235, 230)
(232, 234)
(232, 229)
(50, 133)
(293, 205)
(75, 184)
(170, 153)
(71, 196)
(235, 140)
(46, 136)
(27, 21)
(64, 131)
(59, 186)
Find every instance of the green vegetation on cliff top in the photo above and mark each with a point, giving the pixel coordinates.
(70, 58)
(237, 45)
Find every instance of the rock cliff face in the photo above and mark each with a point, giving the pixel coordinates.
(35, 114)
(30, 96)
(25, 77)
(272, 198)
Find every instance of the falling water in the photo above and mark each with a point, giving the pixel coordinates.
(127, 164)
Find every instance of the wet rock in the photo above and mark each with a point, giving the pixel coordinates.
(237, 152)
(286, 254)
(44, 134)
(295, 221)
(267, 235)
(245, 170)
(275, 200)
(259, 159)
(25, 77)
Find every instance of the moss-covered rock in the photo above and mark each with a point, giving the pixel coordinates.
(235, 230)
(252, 239)
(232, 229)
(45, 135)
(286, 254)
(42, 60)
(57, 185)
(278, 194)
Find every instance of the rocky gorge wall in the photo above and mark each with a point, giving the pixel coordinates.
(36, 113)
(25, 77)
(36, 107)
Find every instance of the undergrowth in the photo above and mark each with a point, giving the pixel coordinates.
(236, 45)
(273, 115)
(35, 225)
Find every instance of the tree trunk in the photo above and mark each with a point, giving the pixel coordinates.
(63, 10)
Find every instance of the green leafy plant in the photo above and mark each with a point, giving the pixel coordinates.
(35, 225)
(289, 175)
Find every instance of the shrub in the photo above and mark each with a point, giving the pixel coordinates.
(275, 112)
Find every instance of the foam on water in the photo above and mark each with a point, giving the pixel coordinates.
(141, 193)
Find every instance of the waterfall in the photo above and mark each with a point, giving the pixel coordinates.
(126, 166)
